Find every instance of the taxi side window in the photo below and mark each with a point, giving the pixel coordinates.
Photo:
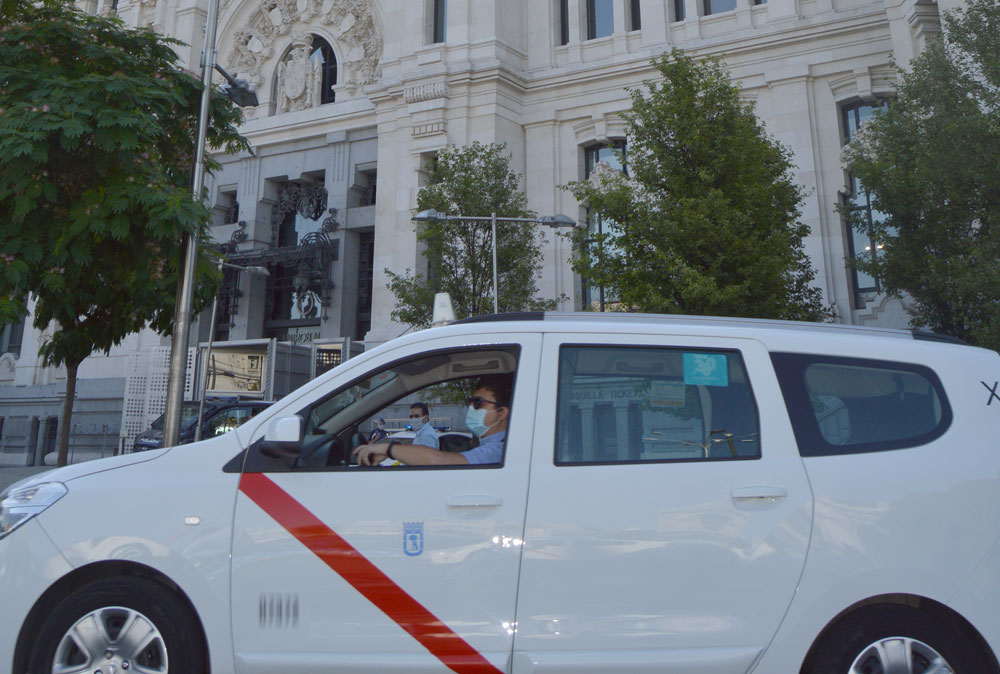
(853, 405)
(650, 404)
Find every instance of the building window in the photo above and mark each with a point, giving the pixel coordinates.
(600, 18)
(367, 187)
(323, 55)
(601, 158)
(295, 299)
(719, 6)
(10, 338)
(366, 276)
(228, 296)
(854, 116)
(230, 207)
(635, 18)
(563, 22)
(440, 21)
(679, 12)
(862, 217)
(298, 285)
(606, 154)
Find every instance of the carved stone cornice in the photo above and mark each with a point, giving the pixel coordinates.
(429, 129)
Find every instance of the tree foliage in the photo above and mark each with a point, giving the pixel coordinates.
(97, 134)
(474, 180)
(929, 163)
(706, 219)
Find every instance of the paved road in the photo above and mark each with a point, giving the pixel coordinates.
(11, 474)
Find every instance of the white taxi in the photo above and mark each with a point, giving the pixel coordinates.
(676, 494)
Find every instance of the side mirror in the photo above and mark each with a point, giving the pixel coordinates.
(283, 437)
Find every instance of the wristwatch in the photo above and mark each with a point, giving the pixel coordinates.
(388, 450)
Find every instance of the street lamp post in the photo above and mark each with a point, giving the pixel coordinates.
(242, 95)
(553, 221)
(203, 385)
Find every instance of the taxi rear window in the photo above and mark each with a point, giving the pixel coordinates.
(854, 405)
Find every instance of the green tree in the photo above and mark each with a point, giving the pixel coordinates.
(929, 163)
(706, 219)
(97, 134)
(474, 180)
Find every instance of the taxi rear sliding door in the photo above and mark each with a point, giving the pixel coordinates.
(669, 511)
(340, 568)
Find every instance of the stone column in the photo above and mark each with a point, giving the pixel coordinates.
(587, 434)
(338, 180)
(622, 426)
(792, 119)
(41, 440)
(655, 16)
(620, 13)
(577, 29)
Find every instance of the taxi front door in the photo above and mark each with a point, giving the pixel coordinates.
(402, 570)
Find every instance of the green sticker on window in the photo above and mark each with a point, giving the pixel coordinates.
(706, 369)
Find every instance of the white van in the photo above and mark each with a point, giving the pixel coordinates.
(682, 495)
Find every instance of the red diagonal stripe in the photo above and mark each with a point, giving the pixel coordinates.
(364, 576)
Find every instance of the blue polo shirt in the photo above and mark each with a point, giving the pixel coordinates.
(427, 437)
(490, 449)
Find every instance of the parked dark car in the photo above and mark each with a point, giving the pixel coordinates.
(221, 415)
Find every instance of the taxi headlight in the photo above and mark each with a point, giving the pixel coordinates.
(20, 504)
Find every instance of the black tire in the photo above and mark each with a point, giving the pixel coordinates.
(169, 642)
(856, 633)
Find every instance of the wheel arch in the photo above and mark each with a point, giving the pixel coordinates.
(934, 608)
(87, 574)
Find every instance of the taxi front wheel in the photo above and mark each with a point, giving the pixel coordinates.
(120, 625)
(897, 639)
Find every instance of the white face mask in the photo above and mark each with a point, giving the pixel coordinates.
(476, 421)
(416, 424)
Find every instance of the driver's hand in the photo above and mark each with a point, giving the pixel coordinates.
(371, 455)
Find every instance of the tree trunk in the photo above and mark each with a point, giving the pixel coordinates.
(62, 442)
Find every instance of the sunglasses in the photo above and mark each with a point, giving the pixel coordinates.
(477, 402)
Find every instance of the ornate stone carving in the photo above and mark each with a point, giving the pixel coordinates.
(309, 201)
(8, 367)
(299, 77)
(351, 22)
(425, 92)
(239, 236)
(601, 169)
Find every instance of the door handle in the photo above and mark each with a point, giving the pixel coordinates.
(759, 494)
(474, 501)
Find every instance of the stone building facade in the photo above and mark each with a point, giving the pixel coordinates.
(355, 96)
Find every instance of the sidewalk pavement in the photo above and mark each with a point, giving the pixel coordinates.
(11, 474)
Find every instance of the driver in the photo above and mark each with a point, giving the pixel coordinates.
(486, 416)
